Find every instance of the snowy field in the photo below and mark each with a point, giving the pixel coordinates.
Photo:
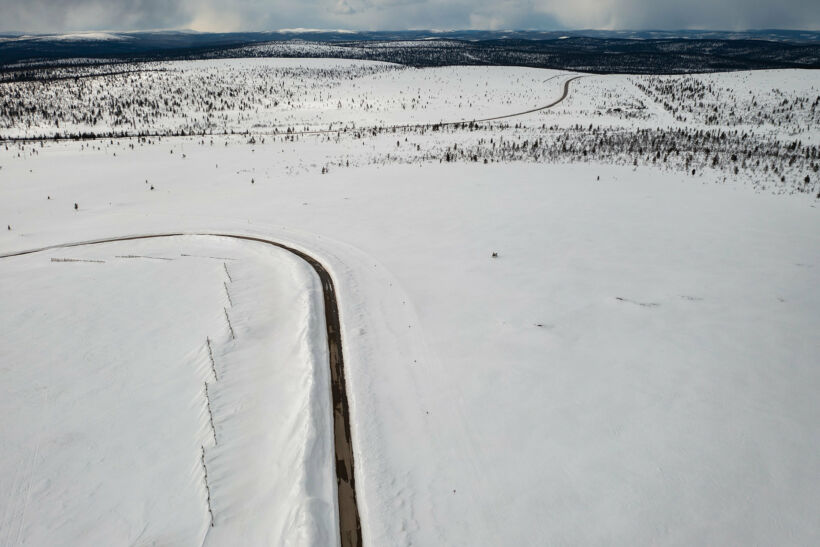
(267, 95)
(638, 366)
(106, 357)
(270, 95)
(759, 127)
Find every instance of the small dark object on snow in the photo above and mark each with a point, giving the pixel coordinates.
(152, 187)
(76, 206)
(9, 227)
(495, 255)
(49, 197)
(251, 181)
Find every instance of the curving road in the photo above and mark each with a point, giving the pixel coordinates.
(540, 108)
(445, 124)
(350, 529)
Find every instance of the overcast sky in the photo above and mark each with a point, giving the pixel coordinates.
(220, 15)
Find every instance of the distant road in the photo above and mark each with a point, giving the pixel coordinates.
(444, 124)
(540, 108)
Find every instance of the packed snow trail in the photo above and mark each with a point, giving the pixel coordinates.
(350, 530)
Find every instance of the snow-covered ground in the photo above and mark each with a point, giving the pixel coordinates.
(759, 127)
(105, 359)
(264, 95)
(637, 366)
(782, 104)
(267, 95)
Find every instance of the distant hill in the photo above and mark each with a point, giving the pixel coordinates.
(585, 50)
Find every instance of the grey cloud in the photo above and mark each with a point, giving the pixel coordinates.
(216, 15)
(62, 15)
(675, 14)
(343, 7)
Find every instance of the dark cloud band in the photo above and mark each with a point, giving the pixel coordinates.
(214, 15)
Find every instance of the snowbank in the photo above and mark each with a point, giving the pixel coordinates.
(107, 353)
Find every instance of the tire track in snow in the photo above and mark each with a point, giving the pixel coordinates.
(350, 529)
(29, 477)
(14, 517)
